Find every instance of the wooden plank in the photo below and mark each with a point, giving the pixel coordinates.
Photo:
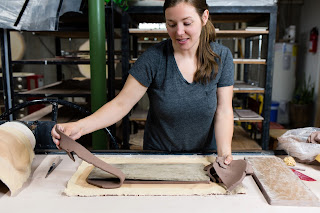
(219, 33)
(279, 185)
(37, 115)
(249, 61)
(241, 87)
(142, 116)
(235, 61)
(247, 91)
(247, 115)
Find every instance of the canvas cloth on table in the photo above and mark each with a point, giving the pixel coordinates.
(78, 186)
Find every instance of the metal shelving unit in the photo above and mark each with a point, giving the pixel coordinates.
(7, 62)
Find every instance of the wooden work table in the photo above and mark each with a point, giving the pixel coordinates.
(41, 194)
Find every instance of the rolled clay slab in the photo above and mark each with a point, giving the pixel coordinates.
(16, 154)
(153, 174)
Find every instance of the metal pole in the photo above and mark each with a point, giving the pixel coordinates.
(58, 53)
(269, 74)
(6, 71)
(97, 37)
(125, 68)
(246, 55)
(111, 67)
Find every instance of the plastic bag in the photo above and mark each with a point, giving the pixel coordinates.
(294, 142)
(39, 15)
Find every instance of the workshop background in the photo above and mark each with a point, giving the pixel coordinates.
(55, 65)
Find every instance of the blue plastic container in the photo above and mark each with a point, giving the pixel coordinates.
(274, 111)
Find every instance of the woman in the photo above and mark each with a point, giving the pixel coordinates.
(189, 81)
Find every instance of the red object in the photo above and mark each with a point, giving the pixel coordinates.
(33, 82)
(313, 42)
(303, 176)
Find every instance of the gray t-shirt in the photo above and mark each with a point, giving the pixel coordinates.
(181, 114)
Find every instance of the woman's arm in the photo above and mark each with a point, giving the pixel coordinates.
(107, 115)
(223, 122)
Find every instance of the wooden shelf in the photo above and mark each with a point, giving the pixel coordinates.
(76, 87)
(240, 33)
(247, 88)
(55, 61)
(58, 89)
(148, 32)
(70, 34)
(235, 61)
(148, 42)
(219, 33)
(245, 116)
(249, 61)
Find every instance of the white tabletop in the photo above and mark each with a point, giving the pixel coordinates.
(41, 194)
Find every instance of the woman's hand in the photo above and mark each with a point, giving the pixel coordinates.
(72, 129)
(228, 159)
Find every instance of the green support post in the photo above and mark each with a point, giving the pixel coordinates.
(97, 36)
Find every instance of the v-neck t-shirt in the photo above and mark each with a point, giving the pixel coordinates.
(181, 114)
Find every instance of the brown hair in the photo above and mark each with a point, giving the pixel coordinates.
(206, 58)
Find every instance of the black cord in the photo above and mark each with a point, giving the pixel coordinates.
(21, 12)
(58, 14)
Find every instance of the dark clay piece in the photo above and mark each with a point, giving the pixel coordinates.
(231, 175)
(71, 146)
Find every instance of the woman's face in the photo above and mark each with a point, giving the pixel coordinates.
(184, 26)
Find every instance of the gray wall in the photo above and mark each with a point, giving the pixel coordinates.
(309, 63)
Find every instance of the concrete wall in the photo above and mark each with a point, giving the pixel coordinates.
(309, 63)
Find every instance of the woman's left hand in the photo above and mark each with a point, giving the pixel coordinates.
(228, 159)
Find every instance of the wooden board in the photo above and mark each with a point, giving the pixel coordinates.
(247, 115)
(279, 185)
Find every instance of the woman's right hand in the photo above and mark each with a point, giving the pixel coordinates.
(71, 129)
